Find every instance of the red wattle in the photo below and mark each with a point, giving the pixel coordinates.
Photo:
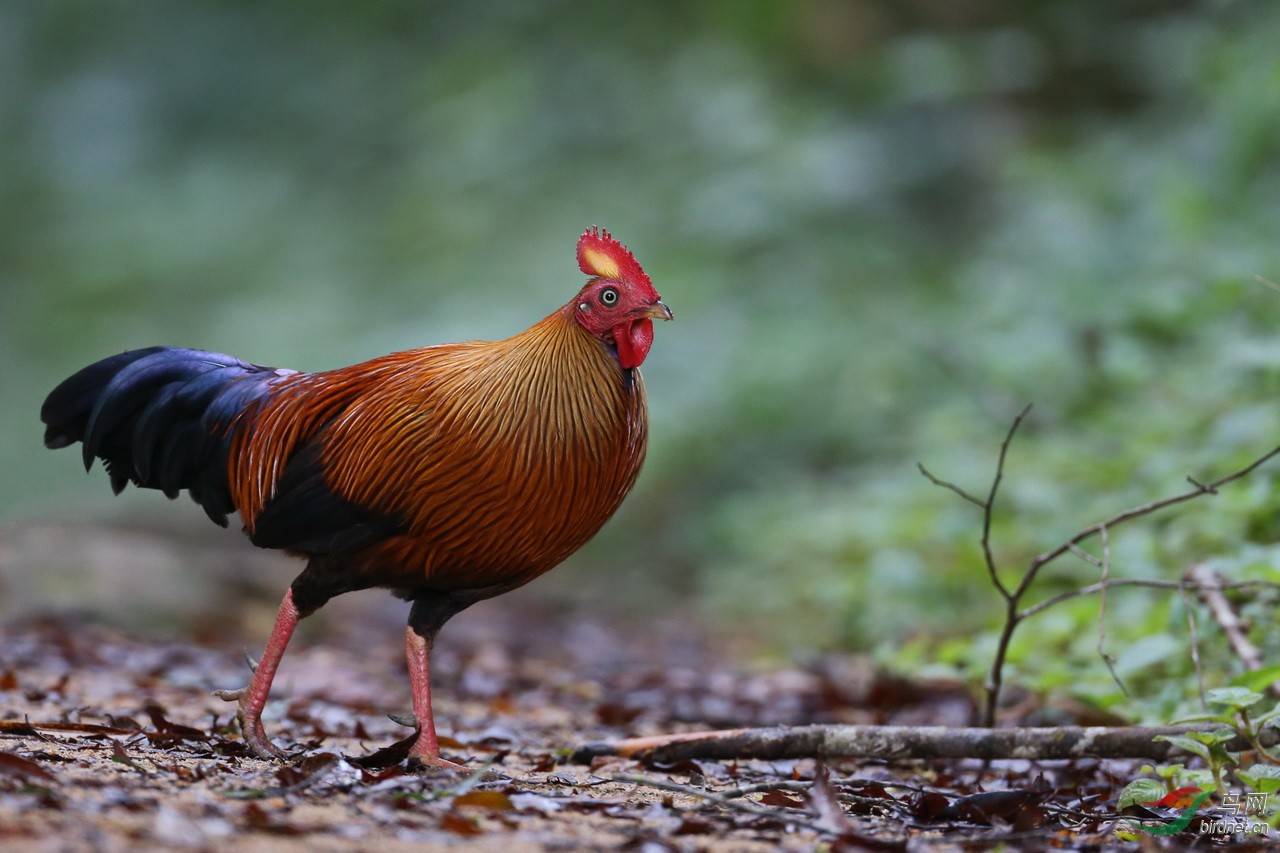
(633, 341)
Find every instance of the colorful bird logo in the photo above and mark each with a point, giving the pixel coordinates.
(1189, 799)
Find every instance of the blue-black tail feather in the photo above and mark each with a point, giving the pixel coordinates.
(159, 418)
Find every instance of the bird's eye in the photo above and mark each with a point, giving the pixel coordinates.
(609, 297)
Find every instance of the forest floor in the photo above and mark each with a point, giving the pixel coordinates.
(110, 740)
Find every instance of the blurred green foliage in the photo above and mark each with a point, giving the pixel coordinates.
(884, 226)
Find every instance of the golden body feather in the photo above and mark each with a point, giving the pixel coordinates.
(503, 458)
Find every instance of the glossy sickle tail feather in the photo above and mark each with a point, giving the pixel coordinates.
(159, 418)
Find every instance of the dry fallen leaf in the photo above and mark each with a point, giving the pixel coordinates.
(497, 801)
(17, 767)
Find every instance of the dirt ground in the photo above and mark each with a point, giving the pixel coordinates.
(115, 743)
(111, 742)
(110, 739)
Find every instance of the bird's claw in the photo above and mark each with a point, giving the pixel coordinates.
(253, 664)
(407, 720)
(255, 736)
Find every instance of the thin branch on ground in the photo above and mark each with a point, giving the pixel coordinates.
(802, 819)
(761, 787)
(1015, 613)
(781, 743)
(806, 784)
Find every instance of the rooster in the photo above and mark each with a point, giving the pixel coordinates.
(447, 474)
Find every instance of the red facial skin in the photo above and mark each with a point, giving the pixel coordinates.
(619, 304)
(621, 314)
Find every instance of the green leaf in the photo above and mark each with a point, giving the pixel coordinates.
(1186, 744)
(1213, 738)
(1226, 717)
(1164, 771)
(1219, 757)
(1263, 778)
(1140, 791)
(1258, 679)
(1201, 777)
(1238, 698)
(1207, 745)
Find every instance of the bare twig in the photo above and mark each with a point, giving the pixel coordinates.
(1014, 612)
(1104, 566)
(1209, 586)
(1194, 640)
(1014, 617)
(995, 676)
(949, 486)
(1086, 556)
(989, 508)
(1142, 583)
(1139, 511)
(987, 505)
(1102, 612)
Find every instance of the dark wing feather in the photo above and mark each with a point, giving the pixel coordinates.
(305, 515)
(66, 410)
(160, 418)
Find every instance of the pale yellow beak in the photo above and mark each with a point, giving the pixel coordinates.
(657, 311)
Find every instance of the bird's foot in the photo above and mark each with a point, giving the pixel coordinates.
(425, 752)
(255, 736)
(436, 762)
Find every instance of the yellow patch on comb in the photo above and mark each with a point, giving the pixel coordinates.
(601, 256)
(601, 264)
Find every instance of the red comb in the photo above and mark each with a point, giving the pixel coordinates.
(602, 256)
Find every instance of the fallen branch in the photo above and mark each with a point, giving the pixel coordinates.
(780, 743)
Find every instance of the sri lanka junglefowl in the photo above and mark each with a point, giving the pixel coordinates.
(447, 474)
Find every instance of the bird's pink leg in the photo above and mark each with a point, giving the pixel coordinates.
(426, 749)
(253, 698)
